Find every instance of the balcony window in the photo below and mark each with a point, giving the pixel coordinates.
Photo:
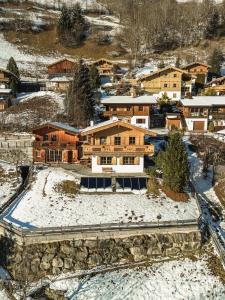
(102, 140)
(106, 160)
(132, 140)
(140, 108)
(117, 140)
(128, 160)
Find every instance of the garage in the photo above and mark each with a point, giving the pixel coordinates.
(198, 125)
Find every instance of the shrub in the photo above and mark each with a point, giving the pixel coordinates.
(67, 187)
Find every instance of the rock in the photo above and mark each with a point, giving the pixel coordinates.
(68, 263)
(138, 253)
(47, 257)
(57, 262)
(94, 260)
(45, 265)
(90, 243)
(81, 253)
(67, 249)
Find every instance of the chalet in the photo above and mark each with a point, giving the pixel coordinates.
(5, 78)
(55, 143)
(173, 82)
(107, 69)
(217, 85)
(200, 70)
(61, 67)
(136, 109)
(201, 110)
(116, 146)
(174, 120)
(58, 84)
(6, 97)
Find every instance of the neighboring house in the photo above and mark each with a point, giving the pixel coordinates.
(5, 77)
(173, 82)
(201, 110)
(58, 84)
(61, 67)
(200, 70)
(107, 70)
(55, 143)
(173, 120)
(217, 85)
(136, 109)
(6, 97)
(116, 146)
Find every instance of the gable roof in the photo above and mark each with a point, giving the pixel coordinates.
(145, 99)
(103, 59)
(8, 72)
(217, 80)
(112, 123)
(163, 70)
(61, 60)
(204, 101)
(196, 63)
(58, 125)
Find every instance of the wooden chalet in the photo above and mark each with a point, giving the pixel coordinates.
(107, 68)
(200, 70)
(173, 82)
(5, 78)
(61, 67)
(200, 111)
(217, 85)
(137, 109)
(6, 97)
(116, 146)
(55, 143)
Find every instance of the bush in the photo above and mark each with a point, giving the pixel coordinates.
(152, 185)
(67, 187)
(182, 197)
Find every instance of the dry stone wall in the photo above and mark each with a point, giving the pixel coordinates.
(53, 258)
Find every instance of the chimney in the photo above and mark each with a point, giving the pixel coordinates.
(92, 123)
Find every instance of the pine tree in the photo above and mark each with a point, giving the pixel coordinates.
(215, 61)
(94, 77)
(177, 63)
(80, 101)
(174, 164)
(14, 82)
(212, 19)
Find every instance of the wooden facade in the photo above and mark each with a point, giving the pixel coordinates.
(200, 70)
(217, 85)
(172, 81)
(106, 67)
(5, 77)
(55, 143)
(116, 146)
(63, 66)
(127, 110)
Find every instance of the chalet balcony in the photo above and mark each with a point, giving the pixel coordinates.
(54, 145)
(218, 116)
(113, 150)
(118, 113)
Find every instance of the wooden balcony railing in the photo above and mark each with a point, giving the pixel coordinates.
(51, 144)
(112, 149)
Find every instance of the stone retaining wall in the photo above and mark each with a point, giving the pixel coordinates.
(53, 258)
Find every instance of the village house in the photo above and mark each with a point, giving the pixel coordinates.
(55, 143)
(116, 146)
(200, 111)
(108, 70)
(201, 72)
(5, 78)
(171, 81)
(217, 85)
(136, 109)
(6, 97)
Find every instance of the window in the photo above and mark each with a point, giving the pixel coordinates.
(102, 140)
(53, 155)
(140, 108)
(131, 140)
(165, 85)
(38, 153)
(114, 108)
(174, 85)
(128, 108)
(117, 140)
(174, 75)
(54, 138)
(128, 160)
(45, 138)
(140, 121)
(106, 160)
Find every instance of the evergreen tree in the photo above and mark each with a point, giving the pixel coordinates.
(215, 61)
(94, 77)
(212, 19)
(177, 63)
(14, 82)
(80, 101)
(174, 162)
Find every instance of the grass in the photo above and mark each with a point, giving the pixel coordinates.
(67, 187)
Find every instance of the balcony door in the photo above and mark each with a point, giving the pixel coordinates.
(52, 156)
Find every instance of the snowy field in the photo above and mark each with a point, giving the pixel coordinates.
(173, 280)
(43, 206)
(8, 181)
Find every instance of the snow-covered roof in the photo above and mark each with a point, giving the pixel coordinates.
(5, 91)
(204, 101)
(60, 126)
(62, 59)
(129, 100)
(221, 132)
(61, 79)
(196, 63)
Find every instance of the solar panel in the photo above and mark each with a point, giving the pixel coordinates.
(84, 184)
(100, 183)
(135, 183)
(92, 183)
(108, 183)
(143, 183)
(119, 184)
(127, 184)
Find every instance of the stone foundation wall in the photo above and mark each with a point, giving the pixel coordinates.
(43, 259)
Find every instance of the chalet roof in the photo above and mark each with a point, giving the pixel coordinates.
(5, 91)
(221, 132)
(8, 72)
(62, 59)
(163, 70)
(205, 101)
(112, 123)
(129, 100)
(217, 80)
(196, 63)
(59, 125)
(103, 59)
(61, 79)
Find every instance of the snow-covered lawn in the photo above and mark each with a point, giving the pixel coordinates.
(8, 181)
(173, 280)
(43, 206)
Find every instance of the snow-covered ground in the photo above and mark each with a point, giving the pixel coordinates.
(172, 280)
(8, 181)
(3, 295)
(43, 206)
